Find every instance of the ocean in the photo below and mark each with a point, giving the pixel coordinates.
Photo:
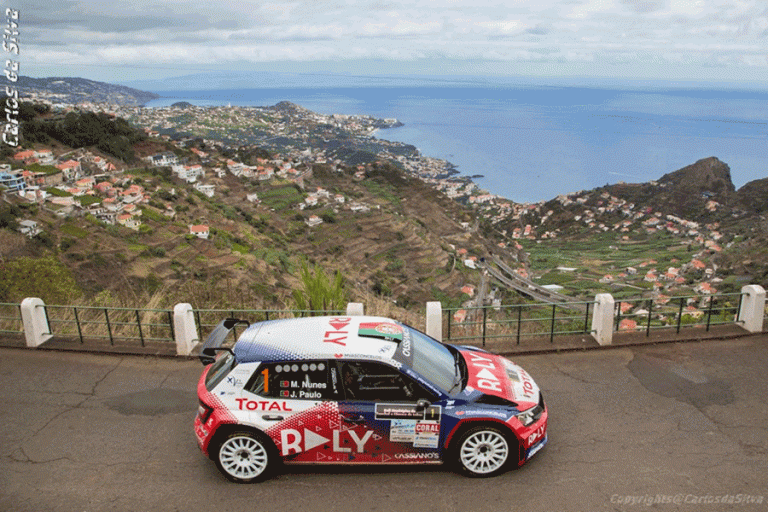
(533, 143)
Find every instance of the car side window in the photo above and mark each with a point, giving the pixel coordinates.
(301, 380)
(373, 381)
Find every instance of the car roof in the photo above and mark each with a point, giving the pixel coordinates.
(324, 337)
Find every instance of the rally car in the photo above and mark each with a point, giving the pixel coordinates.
(360, 390)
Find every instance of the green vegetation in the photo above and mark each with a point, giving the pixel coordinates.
(320, 292)
(113, 136)
(45, 169)
(86, 201)
(72, 230)
(57, 192)
(382, 191)
(281, 198)
(45, 278)
(153, 215)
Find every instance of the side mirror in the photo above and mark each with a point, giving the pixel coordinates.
(422, 404)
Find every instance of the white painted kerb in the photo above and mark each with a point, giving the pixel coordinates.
(752, 307)
(435, 320)
(602, 318)
(185, 329)
(36, 328)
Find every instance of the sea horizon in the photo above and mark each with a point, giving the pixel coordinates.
(533, 143)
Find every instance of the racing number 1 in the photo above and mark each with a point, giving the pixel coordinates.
(265, 373)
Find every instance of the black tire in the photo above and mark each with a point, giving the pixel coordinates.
(245, 456)
(484, 451)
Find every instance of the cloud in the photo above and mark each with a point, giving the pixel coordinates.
(195, 35)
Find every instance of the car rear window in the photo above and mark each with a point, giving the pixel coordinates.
(219, 370)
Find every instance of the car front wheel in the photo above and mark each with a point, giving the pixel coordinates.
(244, 457)
(483, 452)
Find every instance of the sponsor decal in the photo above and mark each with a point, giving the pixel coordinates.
(410, 425)
(234, 382)
(427, 434)
(262, 405)
(405, 346)
(487, 374)
(485, 412)
(536, 448)
(338, 332)
(527, 384)
(407, 412)
(385, 330)
(293, 441)
(402, 431)
(416, 456)
(536, 434)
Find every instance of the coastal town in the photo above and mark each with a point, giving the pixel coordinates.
(88, 182)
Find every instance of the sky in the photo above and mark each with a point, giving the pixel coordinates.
(719, 41)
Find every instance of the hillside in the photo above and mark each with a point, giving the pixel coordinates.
(690, 231)
(221, 206)
(392, 237)
(71, 90)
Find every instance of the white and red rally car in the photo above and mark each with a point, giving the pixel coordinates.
(360, 390)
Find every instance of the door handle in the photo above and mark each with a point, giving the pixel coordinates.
(272, 417)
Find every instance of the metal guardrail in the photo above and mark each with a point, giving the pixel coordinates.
(10, 319)
(477, 325)
(678, 312)
(126, 324)
(517, 321)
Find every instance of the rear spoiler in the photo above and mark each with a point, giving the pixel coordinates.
(217, 337)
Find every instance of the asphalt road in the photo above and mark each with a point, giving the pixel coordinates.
(668, 427)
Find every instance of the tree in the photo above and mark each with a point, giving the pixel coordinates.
(320, 293)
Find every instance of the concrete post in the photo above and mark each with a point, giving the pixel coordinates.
(602, 318)
(355, 309)
(435, 320)
(35, 320)
(752, 308)
(185, 329)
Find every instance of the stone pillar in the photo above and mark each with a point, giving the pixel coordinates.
(36, 328)
(355, 309)
(185, 329)
(752, 308)
(435, 320)
(602, 318)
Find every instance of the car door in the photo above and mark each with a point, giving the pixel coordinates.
(296, 404)
(387, 416)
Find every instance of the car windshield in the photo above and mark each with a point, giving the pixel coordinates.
(434, 361)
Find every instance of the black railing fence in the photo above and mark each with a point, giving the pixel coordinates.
(139, 325)
(543, 321)
(113, 324)
(505, 324)
(677, 312)
(516, 322)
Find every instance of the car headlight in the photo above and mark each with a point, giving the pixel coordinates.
(529, 416)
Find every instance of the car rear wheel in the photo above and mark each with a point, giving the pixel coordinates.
(244, 457)
(483, 452)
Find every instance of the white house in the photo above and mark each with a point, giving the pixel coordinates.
(207, 190)
(200, 231)
(163, 159)
(29, 228)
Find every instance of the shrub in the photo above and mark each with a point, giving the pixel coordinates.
(320, 292)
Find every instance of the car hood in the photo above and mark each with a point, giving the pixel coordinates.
(495, 375)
